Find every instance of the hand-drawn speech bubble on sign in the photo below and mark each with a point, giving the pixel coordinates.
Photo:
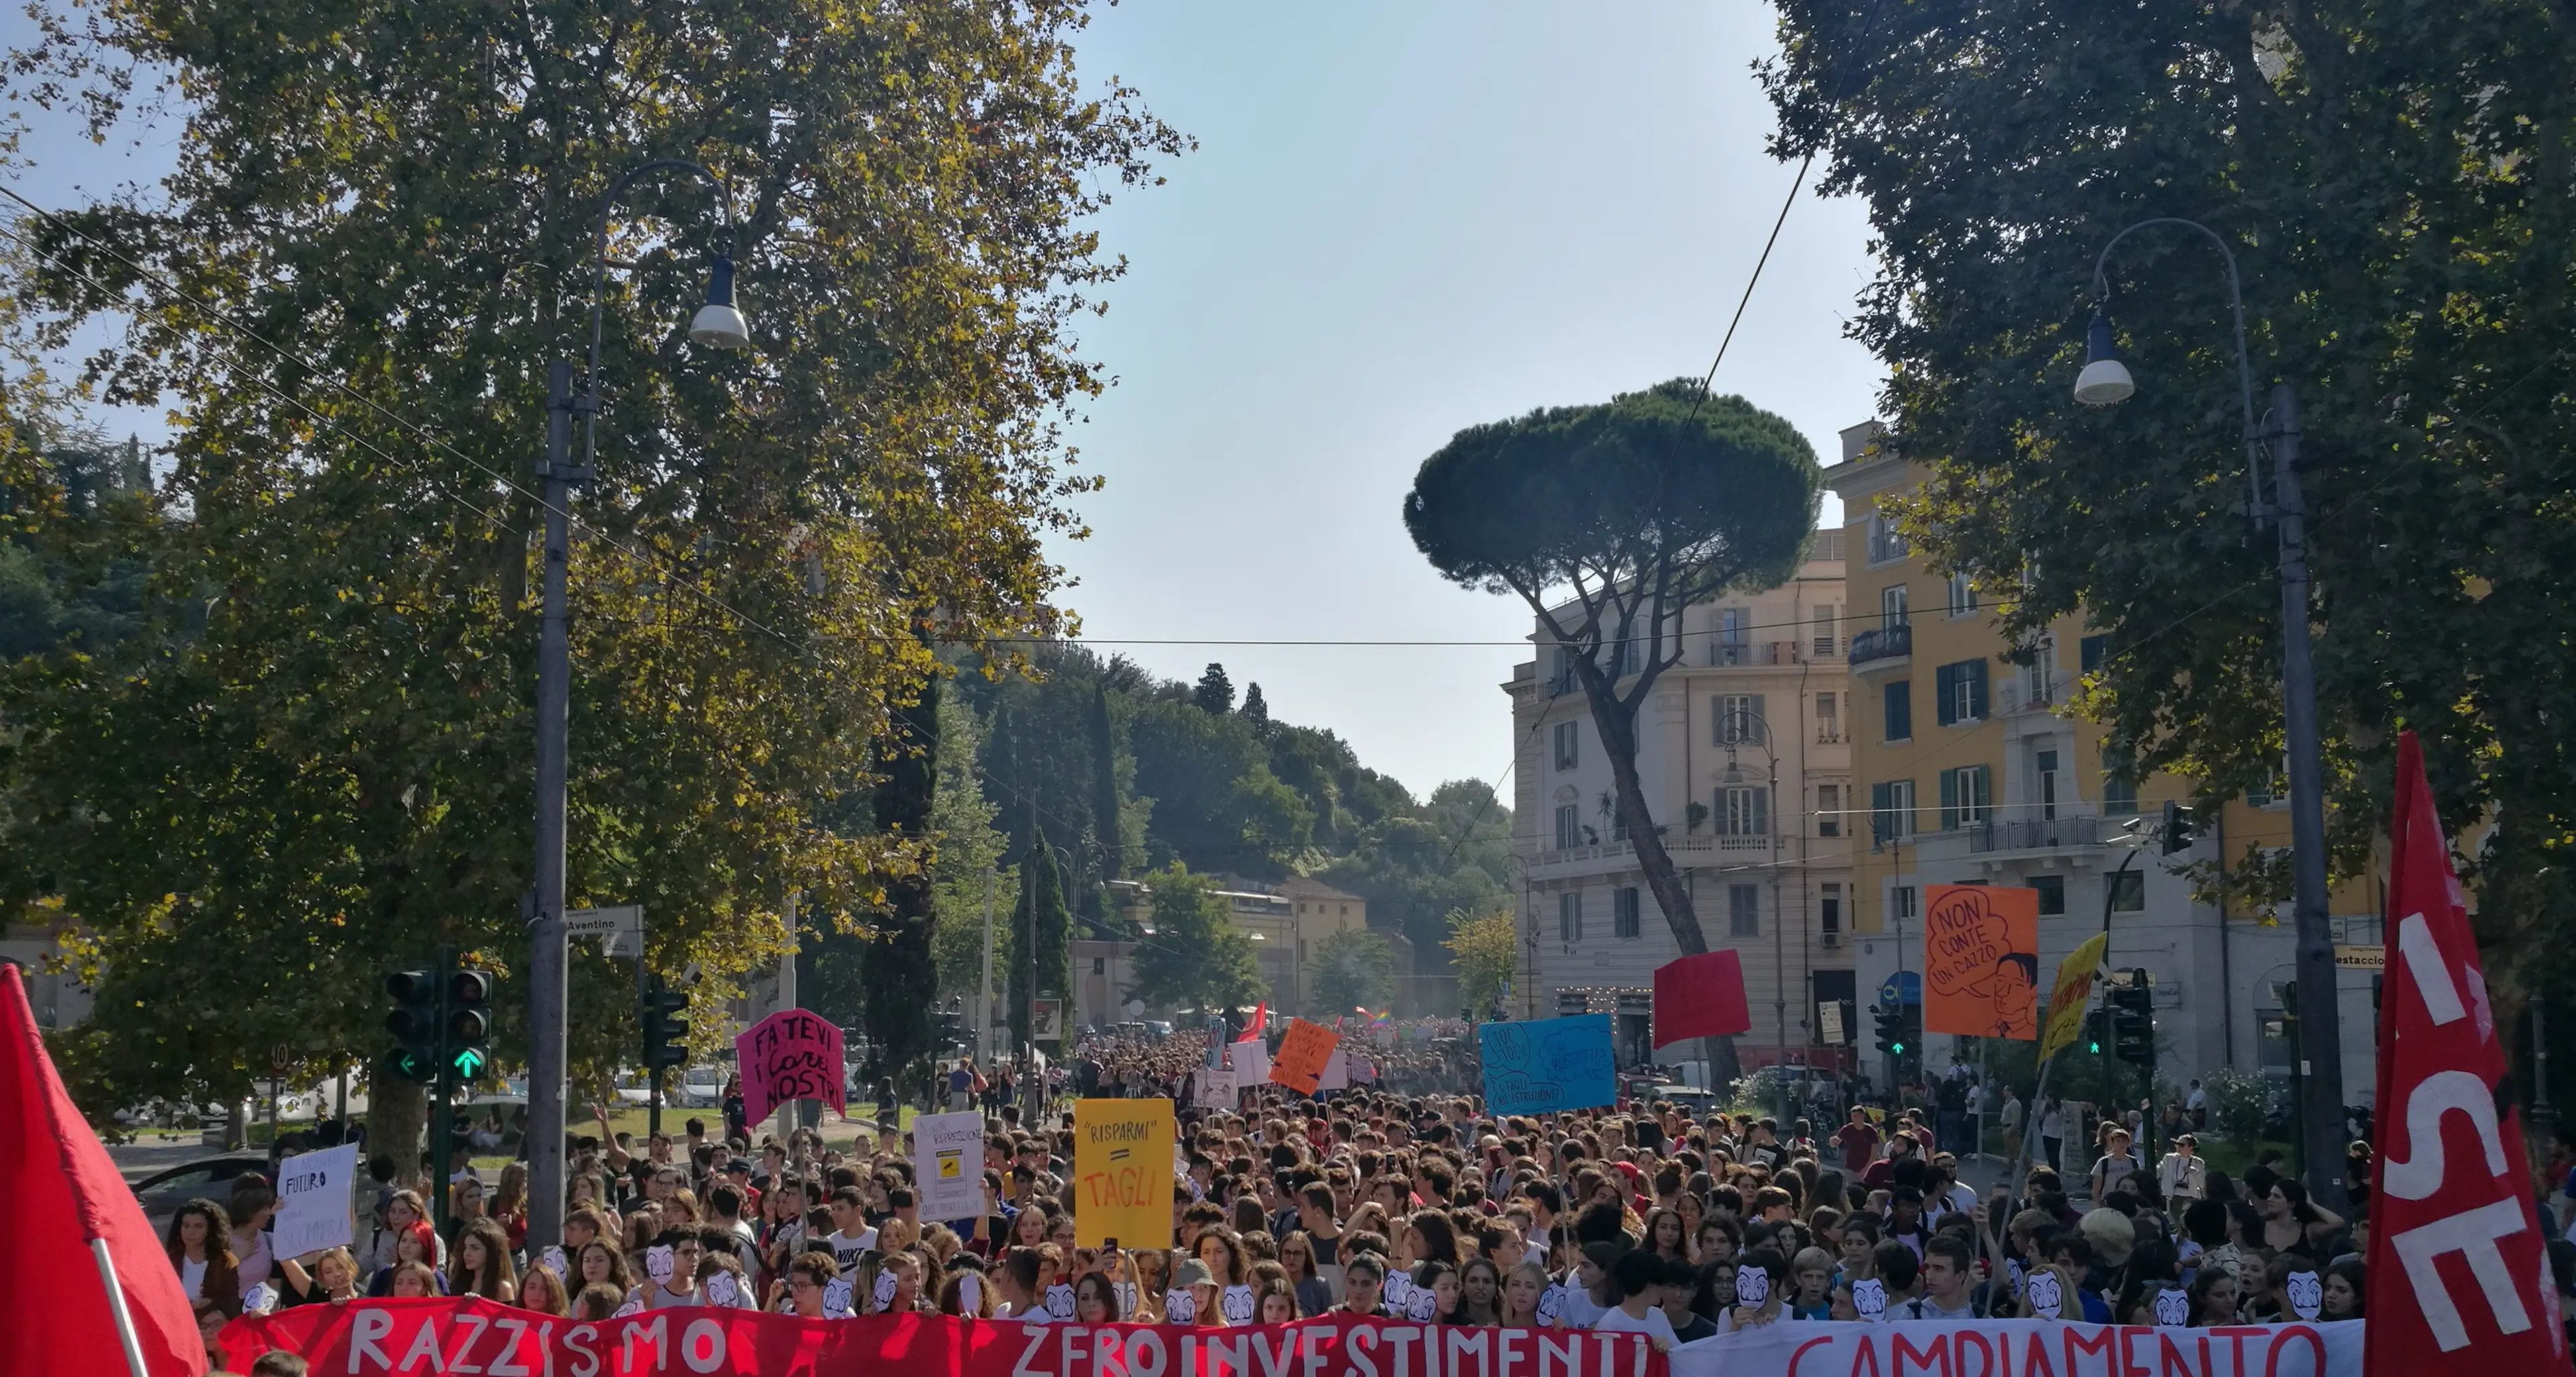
(1547, 1065)
(1981, 961)
(1302, 1055)
(793, 1054)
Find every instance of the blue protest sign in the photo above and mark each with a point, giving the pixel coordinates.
(1548, 1065)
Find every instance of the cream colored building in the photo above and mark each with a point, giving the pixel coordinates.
(1743, 758)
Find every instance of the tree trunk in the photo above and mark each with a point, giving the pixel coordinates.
(397, 1116)
(1617, 724)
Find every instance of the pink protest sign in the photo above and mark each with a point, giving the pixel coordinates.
(793, 1054)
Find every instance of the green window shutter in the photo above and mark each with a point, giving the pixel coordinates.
(1760, 727)
(1882, 813)
(1949, 800)
(1944, 693)
(1976, 671)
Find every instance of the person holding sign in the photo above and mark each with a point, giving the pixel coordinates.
(1980, 961)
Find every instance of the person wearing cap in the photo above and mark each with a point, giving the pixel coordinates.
(2181, 1174)
(1193, 1298)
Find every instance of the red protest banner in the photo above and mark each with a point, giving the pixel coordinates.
(384, 1338)
(791, 1055)
(1701, 997)
(1302, 1055)
(1981, 961)
(2458, 1273)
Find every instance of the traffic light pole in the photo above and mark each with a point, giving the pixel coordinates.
(441, 1090)
(548, 991)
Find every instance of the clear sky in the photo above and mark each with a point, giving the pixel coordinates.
(1400, 220)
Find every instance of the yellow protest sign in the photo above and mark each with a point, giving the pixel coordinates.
(1122, 1168)
(2074, 989)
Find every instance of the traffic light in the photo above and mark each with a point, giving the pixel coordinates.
(468, 1050)
(2133, 1019)
(2177, 830)
(1891, 1029)
(2097, 1026)
(952, 1026)
(414, 1024)
(666, 1034)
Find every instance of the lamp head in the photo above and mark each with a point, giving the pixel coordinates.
(2105, 380)
(718, 323)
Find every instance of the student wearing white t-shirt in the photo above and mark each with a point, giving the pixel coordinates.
(1641, 1306)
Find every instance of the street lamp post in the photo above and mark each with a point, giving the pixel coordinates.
(718, 324)
(2105, 381)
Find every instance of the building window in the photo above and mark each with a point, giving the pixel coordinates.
(2119, 783)
(1891, 811)
(1569, 916)
(1963, 594)
(2093, 650)
(2271, 790)
(1826, 633)
(1900, 902)
(1960, 692)
(1739, 717)
(1744, 810)
(2044, 774)
(1568, 831)
(1623, 912)
(1829, 910)
(1568, 749)
(2129, 891)
(1560, 679)
(1829, 722)
(1891, 606)
(2052, 894)
(1734, 637)
(1898, 697)
(2039, 677)
(1829, 810)
(1100, 965)
(1744, 910)
(1885, 541)
(1967, 797)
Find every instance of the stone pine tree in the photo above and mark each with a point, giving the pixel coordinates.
(898, 973)
(1608, 521)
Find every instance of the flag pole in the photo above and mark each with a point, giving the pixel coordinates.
(116, 1308)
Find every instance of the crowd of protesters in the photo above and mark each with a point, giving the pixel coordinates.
(1640, 1218)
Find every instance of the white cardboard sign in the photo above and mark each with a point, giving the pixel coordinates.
(313, 1194)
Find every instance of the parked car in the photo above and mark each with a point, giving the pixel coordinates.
(163, 1192)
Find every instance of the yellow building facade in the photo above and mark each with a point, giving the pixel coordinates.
(1967, 768)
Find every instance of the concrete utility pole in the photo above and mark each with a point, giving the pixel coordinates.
(984, 992)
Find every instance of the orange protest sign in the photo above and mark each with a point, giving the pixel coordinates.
(1302, 1054)
(1122, 1170)
(1981, 961)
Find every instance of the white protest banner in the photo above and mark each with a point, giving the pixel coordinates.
(313, 1194)
(1251, 1063)
(1337, 1070)
(2026, 1348)
(948, 1165)
(1217, 1089)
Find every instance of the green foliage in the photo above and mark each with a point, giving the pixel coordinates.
(1215, 692)
(311, 760)
(1042, 927)
(1215, 799)
(1354, 968)
(1256, 710)
(2238, 1102)
(970, 850)
(1608, 521)
(2394, 183)
(1195, 958)
(1419, 865)
(1486, 949)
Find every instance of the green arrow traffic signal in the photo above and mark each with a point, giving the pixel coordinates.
(469, 1062)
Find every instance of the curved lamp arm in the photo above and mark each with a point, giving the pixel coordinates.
(589, 402)
(2236, 304)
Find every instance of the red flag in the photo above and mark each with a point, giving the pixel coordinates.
(1701, 997)
(1258, 1024)
(2459, 1271)
(64, 1194)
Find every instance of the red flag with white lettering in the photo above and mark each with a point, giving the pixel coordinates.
(2459, 1270)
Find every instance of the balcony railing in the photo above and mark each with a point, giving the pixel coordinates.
(1881, 643)
(2034, 834)
(1679, 846)
(1727, 653)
